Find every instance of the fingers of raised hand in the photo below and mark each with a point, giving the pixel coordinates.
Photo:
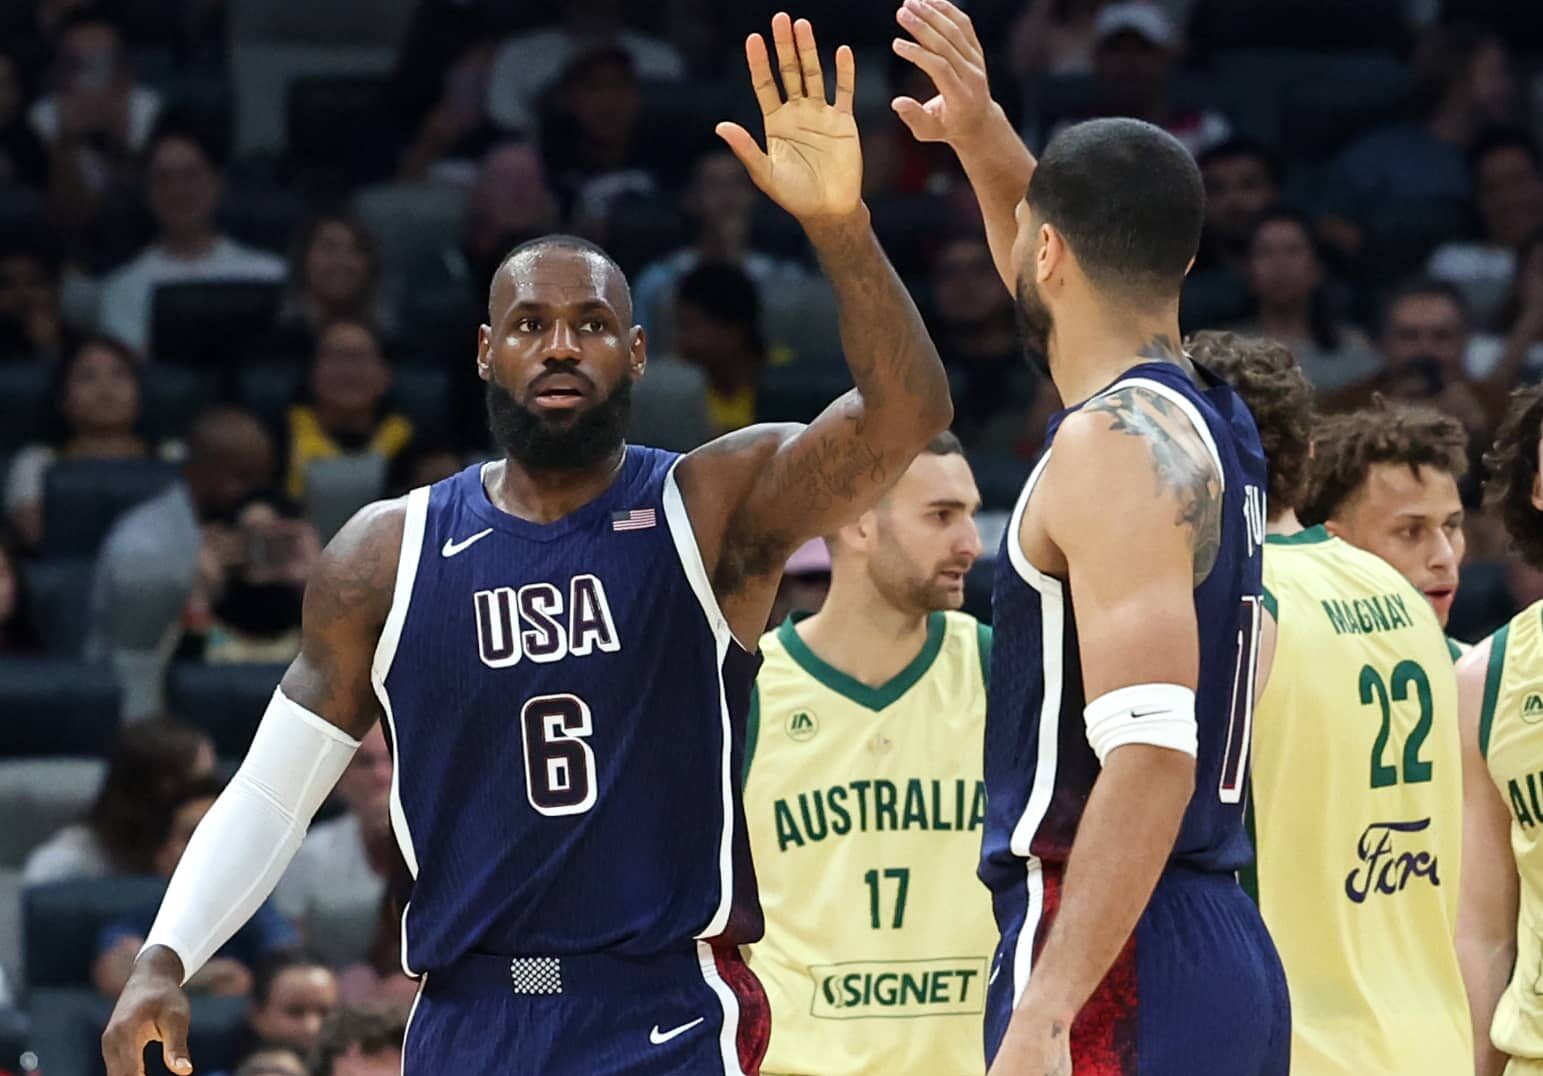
(945, 17)
(761, 79)
(914, 115)
(809, 60)
(937, 68)
(787, 56)
(935, 33)
(846, 79)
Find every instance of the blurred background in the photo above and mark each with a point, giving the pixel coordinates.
(245, 247)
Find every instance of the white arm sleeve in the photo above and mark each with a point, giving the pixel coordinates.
(1162, 715)
(240, 849)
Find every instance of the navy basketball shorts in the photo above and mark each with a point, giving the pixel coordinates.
(1198, 989)
(700, 1011)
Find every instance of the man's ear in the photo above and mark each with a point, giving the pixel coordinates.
(637, 357)
(484, 341)
(1052, 254)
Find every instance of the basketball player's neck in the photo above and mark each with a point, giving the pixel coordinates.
(1094, 342)
(1284, 523)
(547, 496)
(861, 632)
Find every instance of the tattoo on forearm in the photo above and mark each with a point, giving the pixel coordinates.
(1180, 461)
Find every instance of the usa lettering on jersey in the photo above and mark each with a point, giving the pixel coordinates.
(544, 622)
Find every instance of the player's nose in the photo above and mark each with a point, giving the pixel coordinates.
(562, 341)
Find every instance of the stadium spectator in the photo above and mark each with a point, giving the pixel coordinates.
(360, 1042)
(252, 575)
(591, 140)
(421, 463)
(1508, 193)
(334, 885)
(719, 203)
(1242, 181)
(334, 272)
(377, 981)
(805, 582)
(293, 993)
(150, 763)
(1462, 85)
(718, 330)
(346, 407)
(977, 338)
(1514, 352)
(272, 1063)
(17, 634)
(97, 119)
(453, 131)
(1136, 50)
(31, 325)
(183, 185)
(526, 66)
(1286, 278)
(229, 973)
(23, 160)
(95, 412)
(1053, 37)
(1424, 342)
(157, 554)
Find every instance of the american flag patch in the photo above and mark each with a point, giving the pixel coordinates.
(639, 519)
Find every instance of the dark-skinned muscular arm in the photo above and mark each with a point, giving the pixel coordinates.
(346, 602)
(766, 489)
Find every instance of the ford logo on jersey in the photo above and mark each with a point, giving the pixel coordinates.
(1387, 866)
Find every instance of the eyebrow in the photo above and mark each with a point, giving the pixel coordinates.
(949, 502)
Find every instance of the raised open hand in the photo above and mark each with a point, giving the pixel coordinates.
(946, 48)
(813, 165)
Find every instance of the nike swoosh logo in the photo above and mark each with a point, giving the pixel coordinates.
(1146, 713)
(452, 548)
(659, 1038)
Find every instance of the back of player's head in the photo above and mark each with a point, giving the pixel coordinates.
(1512, 468)
(1347, 446)
(1128, 199)
(1265, 374)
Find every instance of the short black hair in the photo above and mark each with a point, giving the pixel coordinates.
(276, 964)
(1242, 146)
(176, 128)
(1424, 287)
(1512, 466)
(565, 241)
(1130, 202)
(945, 444)
(1499, 137)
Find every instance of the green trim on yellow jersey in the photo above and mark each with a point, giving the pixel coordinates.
(983, 640)
(1492, 677)
(1454, 648)
(872, 698)
(1310, 536)
(1271, 606)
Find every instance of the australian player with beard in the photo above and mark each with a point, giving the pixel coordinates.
(863, 795)
(561, 644)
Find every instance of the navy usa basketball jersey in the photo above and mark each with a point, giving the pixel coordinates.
(1039, 767)
(566, 709)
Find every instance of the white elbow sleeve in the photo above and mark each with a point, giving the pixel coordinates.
(241, 848)
(1162, 715)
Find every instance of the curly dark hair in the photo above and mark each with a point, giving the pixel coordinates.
(1512, 468)
(1347, 446)
(1266, 375)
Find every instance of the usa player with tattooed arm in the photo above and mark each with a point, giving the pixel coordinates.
(1127, 610)
(559, 643)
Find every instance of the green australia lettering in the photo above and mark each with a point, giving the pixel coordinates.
(1525, 806)
(924, 805)
(1365, 616)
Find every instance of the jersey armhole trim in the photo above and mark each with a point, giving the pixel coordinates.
(1248, 877)
(752, 732)
(1270, 605)
(1190, 412)
(983, 643)
(678, 520)
(1492, 675)
(414, 524)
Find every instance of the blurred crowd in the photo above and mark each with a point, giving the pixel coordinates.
(245, 246)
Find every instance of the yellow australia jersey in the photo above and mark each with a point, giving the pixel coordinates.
(865, 807)
(1357, 815)
(1511, 740)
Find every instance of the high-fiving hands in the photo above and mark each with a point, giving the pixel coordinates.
(946, 48)
(813, 164)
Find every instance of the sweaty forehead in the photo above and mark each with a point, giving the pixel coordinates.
(559, 277)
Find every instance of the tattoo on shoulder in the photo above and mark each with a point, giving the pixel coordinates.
(1180, 461)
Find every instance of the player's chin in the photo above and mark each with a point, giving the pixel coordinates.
(1441, 599)
(947, 591)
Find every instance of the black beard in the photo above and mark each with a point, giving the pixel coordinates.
(542, 443)
(1034, 325)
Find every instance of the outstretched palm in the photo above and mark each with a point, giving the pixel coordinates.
(813, 166)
